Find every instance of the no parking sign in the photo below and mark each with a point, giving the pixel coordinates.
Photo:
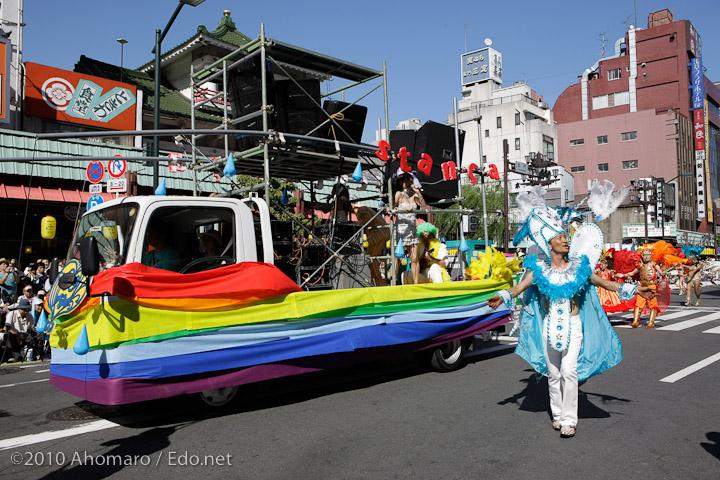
(95, 171)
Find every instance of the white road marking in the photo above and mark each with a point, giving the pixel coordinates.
(713, 330)
(691, 369)
(691, 323)
(39, 364)
(56, 434)
(24, 383)
(40, 371)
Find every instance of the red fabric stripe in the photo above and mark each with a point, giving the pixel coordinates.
(238, 281)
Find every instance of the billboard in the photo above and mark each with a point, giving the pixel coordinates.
(77, 98)
(5, 53)
(694, 43)
(480, 66)
(698, 89)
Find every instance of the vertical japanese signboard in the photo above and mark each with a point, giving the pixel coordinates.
(5, 49)
(698, 113)
(708, 190)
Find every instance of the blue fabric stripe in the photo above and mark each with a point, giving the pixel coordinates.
(230, 358)
(256, 334)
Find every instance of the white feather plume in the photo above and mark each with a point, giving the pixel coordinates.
(603, 201)
(526, 201)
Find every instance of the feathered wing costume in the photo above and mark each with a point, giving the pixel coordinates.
(601, 347)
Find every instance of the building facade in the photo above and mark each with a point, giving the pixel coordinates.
(491, 115)
(631, 116)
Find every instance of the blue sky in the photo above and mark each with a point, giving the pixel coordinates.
(548, 44)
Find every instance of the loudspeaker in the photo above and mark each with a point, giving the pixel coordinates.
(438, 141)
(245, 89)
(353, 121)
(297, 112)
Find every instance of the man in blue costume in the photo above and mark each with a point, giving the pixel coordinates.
(564, 332)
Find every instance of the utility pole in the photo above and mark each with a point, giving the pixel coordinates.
(506, 210)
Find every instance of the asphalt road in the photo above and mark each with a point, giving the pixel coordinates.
(649, 417)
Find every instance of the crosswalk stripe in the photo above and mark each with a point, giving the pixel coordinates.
(691, 323)
(713, 330)
(691, 369)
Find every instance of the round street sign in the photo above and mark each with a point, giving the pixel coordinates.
(117, 167)
(95, 171)
(94, 201)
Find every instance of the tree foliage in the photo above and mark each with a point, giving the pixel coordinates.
(447, 223)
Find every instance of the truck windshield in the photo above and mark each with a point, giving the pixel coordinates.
(111, 227)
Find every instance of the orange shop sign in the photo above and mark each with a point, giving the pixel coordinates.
(76, 98)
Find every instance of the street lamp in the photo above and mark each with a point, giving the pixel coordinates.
(156, 120)
(122, 43)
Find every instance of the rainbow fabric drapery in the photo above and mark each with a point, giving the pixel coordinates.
(157, 333)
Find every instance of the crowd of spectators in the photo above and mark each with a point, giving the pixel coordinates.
(22, 293)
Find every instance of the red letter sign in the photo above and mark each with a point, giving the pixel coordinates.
(493, 172)
(471, 173)
(425, 164)
(404, 154)
(449, 171)
(382, 154)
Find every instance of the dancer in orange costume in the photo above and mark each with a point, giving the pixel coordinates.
(609, 300)
(650, 276)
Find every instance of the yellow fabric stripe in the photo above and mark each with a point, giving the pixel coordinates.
(121, 321)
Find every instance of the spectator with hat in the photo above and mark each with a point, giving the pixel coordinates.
(19, 327)
(8, 280)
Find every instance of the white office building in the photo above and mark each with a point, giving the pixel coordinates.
(514, 114)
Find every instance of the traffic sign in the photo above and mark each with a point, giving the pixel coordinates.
(117, 167)
(117, 185)
(95, 171)
(95, 188)
(94, 201)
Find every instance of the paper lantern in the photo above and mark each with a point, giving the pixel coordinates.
(48, 226)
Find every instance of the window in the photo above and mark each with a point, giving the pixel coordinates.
(487, 133)
(579, 168)
(499, 122)
(611, 100)
(549, 147)
(517, 118)
(577, 141)
(603, 167)
(629, 164)
(614, 74)
(628, 136)
(517, 144)
(602, 139)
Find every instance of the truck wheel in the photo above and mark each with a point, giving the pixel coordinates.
(219, 397)
(448, 357)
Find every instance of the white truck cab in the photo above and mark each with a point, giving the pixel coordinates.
(167, 232)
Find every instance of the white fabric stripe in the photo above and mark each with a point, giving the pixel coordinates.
(691, 369)
(56, 434)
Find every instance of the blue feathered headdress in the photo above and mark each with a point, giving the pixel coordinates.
(689, 251)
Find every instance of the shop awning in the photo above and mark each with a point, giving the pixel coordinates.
(48, 194)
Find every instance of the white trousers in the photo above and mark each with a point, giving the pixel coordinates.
(563, 377)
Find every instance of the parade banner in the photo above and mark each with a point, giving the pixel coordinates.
(76, 98)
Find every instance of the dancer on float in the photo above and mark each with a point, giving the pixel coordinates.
(564, 332)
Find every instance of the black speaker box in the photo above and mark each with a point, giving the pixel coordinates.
(438, 141)
(299, 113)
(245, 89)
(353, 121)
